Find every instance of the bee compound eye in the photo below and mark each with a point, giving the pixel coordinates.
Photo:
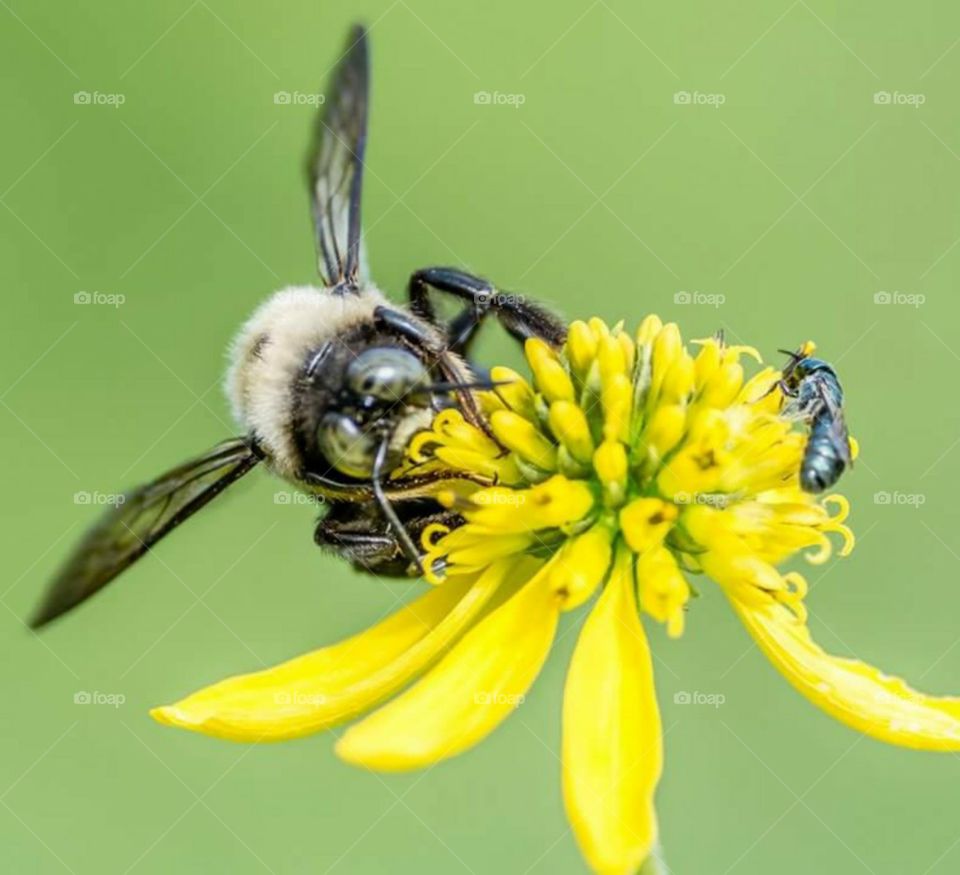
(386, 373)
(346, 446)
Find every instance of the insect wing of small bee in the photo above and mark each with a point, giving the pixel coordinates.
(816, 396)
(833, 402)
(145, 515)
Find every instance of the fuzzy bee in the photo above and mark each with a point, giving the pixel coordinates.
(815, 396)
(328, 384)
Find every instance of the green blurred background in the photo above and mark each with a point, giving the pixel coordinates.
(782, 208)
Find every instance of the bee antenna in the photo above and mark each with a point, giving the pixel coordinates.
(453, 385)
(796, 356)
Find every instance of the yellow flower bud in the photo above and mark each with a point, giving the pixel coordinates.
(581, 347)
(551, 376)
(515, 390)
(523, 437)
(569, 425)
(646, 521)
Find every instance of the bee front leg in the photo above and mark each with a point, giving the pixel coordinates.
(520, 318)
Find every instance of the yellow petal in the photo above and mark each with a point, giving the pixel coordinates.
(330, 685)
(853, 692)
(468, 694)
(582, 565)
(612, 747)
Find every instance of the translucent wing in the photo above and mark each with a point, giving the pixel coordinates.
(838, 426)
(146, 514)
(336, 168)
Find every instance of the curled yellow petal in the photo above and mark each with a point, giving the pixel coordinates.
(851, 691)
(470, 691)
(612, 747)
(333, 684)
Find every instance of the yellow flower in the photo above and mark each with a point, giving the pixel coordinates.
(626, 465)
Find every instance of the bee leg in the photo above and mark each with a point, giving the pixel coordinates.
(519, 318)
(362, 541)
(784, 389)
(377, 554)
(386, 508)
(359, 534)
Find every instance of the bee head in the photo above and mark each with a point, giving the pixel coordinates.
(351, 403)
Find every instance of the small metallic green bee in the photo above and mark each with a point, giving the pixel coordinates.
(816, 396)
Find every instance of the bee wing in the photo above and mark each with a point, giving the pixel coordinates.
(130, 528)
(838, 425)
(336, 167)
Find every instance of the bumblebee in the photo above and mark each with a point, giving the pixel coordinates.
(328, 384)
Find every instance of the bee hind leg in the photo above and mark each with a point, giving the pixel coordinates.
(359, 534)
(520, 318)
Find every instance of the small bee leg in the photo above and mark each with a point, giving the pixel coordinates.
(403, 536)
(519, 318)
(784, 389)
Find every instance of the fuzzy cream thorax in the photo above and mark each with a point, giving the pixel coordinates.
(269, 353)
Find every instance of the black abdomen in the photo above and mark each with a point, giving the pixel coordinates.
(822, 460)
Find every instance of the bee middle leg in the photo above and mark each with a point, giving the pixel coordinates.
(362, 536)
(520, 318)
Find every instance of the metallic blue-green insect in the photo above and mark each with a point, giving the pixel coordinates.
(815, 395)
